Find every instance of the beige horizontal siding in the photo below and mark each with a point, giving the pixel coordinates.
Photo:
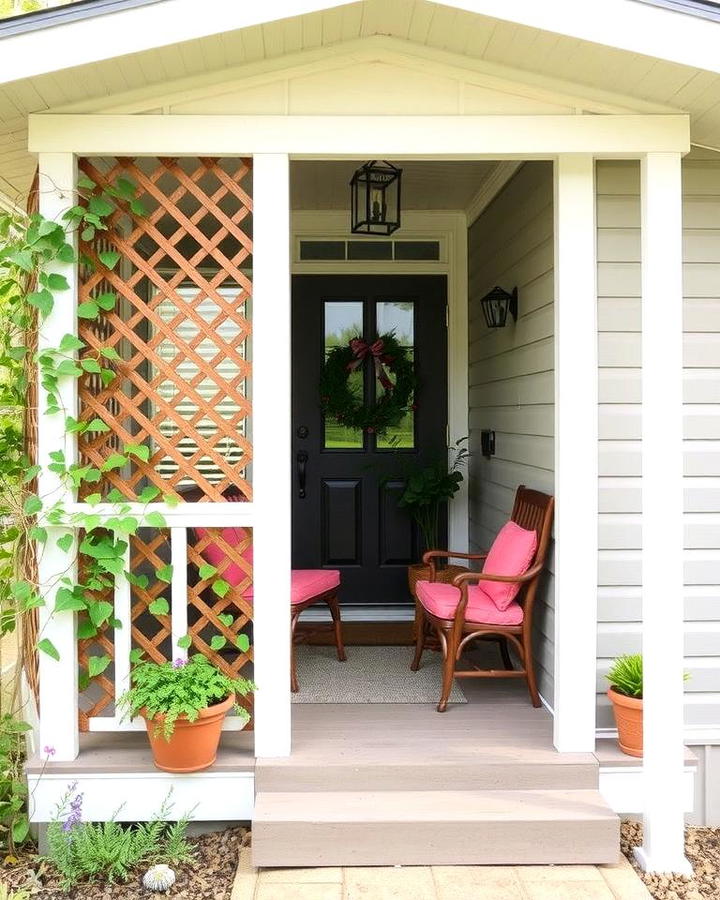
(511, 370)
(619, 324)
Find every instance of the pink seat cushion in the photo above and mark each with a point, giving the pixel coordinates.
(442, 599)
(307, 583)
(512, 552)
(216, 555)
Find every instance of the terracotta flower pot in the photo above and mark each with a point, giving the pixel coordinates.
(629, 718)
(192, 745)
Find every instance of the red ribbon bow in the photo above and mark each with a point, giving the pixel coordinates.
(361, 349)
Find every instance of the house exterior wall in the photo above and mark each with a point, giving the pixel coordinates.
(511, 244)
(511, 370)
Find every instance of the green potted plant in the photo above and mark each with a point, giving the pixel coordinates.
(626, 695)
(183, 704)
(427, 488)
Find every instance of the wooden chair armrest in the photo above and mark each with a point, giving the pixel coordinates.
(431, 555)
(473, 577)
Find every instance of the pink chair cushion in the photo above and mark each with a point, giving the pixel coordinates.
(512, 553)
(307, 583)
(442, 599)
(216, 556)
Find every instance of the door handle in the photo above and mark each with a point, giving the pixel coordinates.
(301, 460)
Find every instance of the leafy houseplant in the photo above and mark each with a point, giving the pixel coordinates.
(428, 487)
(183, 704)
(626, 696)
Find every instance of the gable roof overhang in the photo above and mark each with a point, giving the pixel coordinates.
(121, 27)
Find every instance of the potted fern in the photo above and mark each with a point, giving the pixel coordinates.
(626, 695)
(183, 704)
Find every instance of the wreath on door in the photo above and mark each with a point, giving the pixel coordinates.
(395, 375)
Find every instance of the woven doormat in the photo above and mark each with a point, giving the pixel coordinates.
(369, 675)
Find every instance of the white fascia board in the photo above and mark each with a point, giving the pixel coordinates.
(136, 29)
(624, 24)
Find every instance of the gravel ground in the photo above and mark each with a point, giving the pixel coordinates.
(702, 848)
(208, 877)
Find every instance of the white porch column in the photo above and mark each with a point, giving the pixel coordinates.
(576, 454)
(271, 451)
(58, 678)
(662, 512)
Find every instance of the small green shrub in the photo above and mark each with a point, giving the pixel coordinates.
(14, 825)
(626, 675)
(110, 851)
(179, 689)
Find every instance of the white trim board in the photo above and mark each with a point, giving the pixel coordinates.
(338, 137)
(623, 788)
(134, 796)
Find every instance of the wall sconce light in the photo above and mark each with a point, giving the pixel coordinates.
(496, 304)
(375, 198)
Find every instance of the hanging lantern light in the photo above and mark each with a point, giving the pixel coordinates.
(496, 304)
(375, 198)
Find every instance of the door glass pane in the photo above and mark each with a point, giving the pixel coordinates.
(343, 322)
(398, 317)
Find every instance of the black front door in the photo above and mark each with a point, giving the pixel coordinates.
(346, 482)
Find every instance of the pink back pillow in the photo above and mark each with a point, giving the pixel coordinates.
(512, 552)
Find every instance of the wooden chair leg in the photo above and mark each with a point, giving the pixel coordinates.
(294, 686)
(448, 670)
(529, 663)
(419, 636)
(337, 622)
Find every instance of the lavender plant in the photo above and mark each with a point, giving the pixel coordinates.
(110, 851)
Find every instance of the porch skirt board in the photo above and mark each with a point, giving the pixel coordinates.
(370, 675)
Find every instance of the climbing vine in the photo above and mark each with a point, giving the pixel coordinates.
(34, 252)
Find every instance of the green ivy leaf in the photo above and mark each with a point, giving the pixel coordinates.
(67, 367)
(66, 254)
(93, 499)
(137, 208)
(38, 533)
(69, 601)
(31, 473)
(226, 618)
(100, 612)
(242, 642)
(155, 520)
(115, 566)
(86, 630)
(207, 571)
(184, 642)
(41, 300)
(57, 282)
(85, 182)
(100, 206)
(47, 646)
(97, 665)
(159, 607)
(114, 461)
(136, 656)
(126, 188)
(88, 310)
(140, 450)
(109, 353)
(32, 505)
(91, 365)
(165, 573)
(220, 587)
(148, 493)
(97, 425)
(20, 829)
(69, 343)
(217, 642)
(106, 301)
(65, 542)
(88, 233)
(109, 258)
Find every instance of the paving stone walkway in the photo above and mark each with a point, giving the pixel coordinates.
(618, 882)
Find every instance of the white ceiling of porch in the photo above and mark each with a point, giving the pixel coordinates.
(425, 185)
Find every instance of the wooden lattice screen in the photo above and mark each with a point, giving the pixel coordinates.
(181, 327)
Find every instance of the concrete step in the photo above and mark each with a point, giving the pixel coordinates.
(382, 828)
(535, 772)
